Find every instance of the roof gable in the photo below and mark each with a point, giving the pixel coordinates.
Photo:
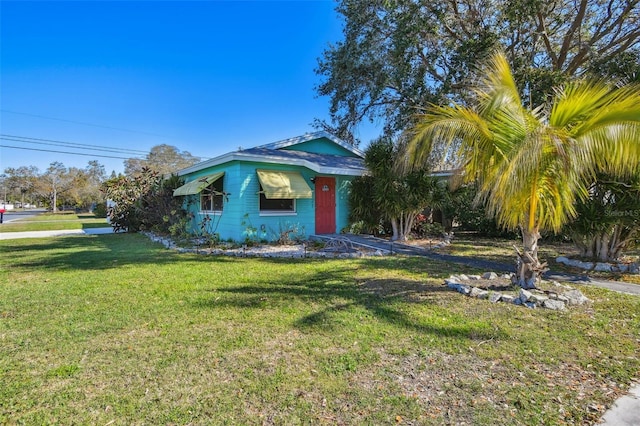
(335, 156)
(310, 142)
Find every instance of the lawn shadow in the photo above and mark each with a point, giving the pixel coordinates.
(90, 252)
(335, 293)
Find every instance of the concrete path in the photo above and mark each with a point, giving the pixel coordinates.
(43, 234)
(625, 411)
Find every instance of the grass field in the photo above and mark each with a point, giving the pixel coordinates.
(113, 329)
(55, 222)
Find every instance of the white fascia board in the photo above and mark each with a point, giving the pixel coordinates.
(240, 156)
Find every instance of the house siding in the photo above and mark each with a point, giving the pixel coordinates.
(321, 146)
(253, 224)
(343, 187)
(241, 219)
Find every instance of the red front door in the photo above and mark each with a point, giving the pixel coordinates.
(325, 205)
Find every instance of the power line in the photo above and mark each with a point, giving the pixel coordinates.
(41, 141)
(79, 153)
(82, 123)
(76, 145)
(63, 152)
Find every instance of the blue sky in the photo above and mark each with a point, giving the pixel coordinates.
(204, 76)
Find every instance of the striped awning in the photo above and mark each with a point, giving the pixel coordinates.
(283, 184)
(196, 186)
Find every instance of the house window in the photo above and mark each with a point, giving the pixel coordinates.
(276, 205)
(211, 198)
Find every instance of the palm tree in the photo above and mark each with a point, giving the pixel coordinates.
(531, 166)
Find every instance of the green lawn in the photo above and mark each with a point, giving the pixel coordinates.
(55, 222)
(113, 329)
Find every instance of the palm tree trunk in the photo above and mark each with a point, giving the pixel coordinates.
(528, 267)
(394, 227)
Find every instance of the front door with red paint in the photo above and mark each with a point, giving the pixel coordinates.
(325, 205)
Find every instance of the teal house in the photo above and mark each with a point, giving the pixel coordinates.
(298, 186)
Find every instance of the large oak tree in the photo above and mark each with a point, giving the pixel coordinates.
(398, 56)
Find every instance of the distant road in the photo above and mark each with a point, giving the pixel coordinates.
(10, 216)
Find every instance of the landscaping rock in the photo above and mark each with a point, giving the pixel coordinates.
(631, 268)
(603, 267)
(621, 267)
(554, 305)
(479, 293)
(538, 299)
(507, 298)
(530, 298)
(524, 295)
(452, 284)
(495, 297)
(575, 297)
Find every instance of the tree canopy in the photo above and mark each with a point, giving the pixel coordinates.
(164, 159)
(398, 56)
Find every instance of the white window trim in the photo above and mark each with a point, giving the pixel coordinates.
(215, 212)
(277, 213)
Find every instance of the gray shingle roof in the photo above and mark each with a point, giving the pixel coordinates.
(323, 160)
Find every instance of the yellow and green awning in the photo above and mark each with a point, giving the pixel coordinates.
(283, 184)
(196, 186)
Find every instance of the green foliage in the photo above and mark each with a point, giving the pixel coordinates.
(389, 194)
(290, 233)
(366, 216)
(463, 207)
(164, 159)
(424, 228)
(251, 233)
(205, 231)
(398, 56)
(531, 166)
(57, 187)
(144, 201)
(100, 210)
(608, 221)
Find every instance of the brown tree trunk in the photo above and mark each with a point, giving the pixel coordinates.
(529, 268)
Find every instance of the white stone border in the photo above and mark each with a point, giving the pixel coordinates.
(630, 268)
(264, 251)
(557, 301)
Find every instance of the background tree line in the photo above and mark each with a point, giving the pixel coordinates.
(60, 187)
